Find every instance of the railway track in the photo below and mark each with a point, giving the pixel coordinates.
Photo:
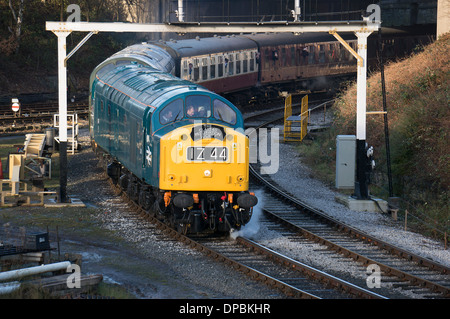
(38, 113)
(399, 268)
(293, 278)
(302, 225)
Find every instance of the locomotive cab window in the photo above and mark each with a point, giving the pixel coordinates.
(172, 112)
(198, 106)
(224, 112)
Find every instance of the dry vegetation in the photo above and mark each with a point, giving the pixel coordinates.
(418, 111)
(418, 96)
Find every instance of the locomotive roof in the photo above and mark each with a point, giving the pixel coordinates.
(141, 84)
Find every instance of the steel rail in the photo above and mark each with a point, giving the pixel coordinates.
(353, 232)
(347, 228)
(289, 290)
(389, 271)
(325, 278)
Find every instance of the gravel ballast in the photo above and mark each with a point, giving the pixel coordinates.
(149, 265)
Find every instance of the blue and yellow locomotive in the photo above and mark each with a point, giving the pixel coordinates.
(174, 147)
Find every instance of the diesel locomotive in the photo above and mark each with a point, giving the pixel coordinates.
(176, 148)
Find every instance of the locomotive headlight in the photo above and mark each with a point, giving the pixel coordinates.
(207, 173)
(230, 137)
(183, 137)
(240, 178)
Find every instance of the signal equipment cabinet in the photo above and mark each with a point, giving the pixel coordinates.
(345, 161)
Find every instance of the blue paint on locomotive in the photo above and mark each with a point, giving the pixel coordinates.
(126, 100)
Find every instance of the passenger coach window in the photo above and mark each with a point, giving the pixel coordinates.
(185, 70)
(220, 66)
(267, 59)
(223, 112)
(231, 65)
(196, 70)
(245, 63)
(198, 106)
(204, 69)
(252, 61)
(321, 53)
(312, 55)
(212, 73)
(293, 59)
(172, 112)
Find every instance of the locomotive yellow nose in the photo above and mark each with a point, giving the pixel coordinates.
(208, 164)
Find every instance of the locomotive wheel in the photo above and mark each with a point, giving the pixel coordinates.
(175, 223)
(182, 228)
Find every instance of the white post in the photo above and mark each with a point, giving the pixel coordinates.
(361, 187)
(296, 12)
(361, 86)
(62, 90)
(180, 11)
(62, 84)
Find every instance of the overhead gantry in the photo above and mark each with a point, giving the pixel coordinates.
(362, 29)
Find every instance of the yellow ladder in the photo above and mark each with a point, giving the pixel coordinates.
(295, 121)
